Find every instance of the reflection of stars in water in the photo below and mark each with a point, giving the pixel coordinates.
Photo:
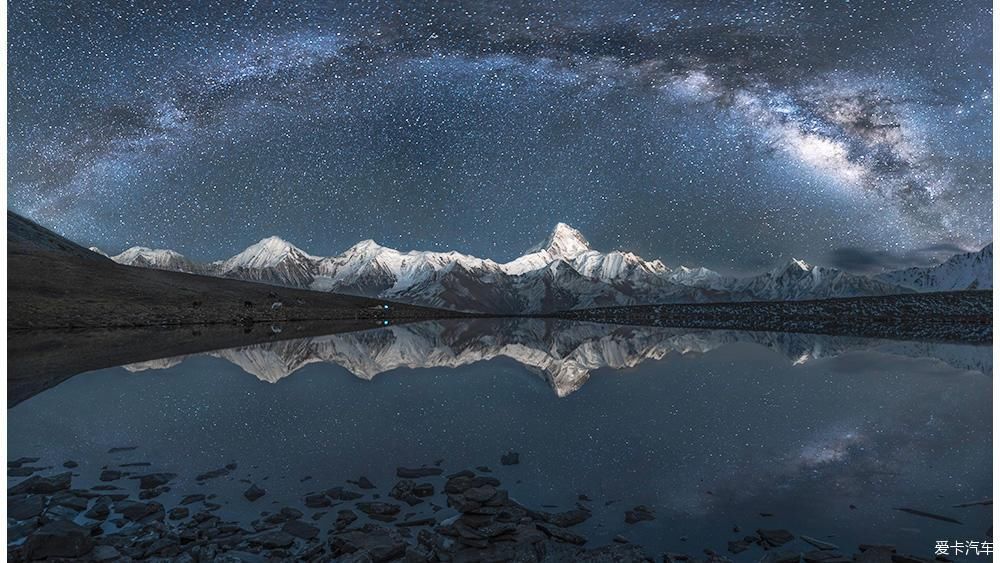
(832, 451)
(478, 126)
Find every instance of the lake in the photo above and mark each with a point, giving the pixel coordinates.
(718, 433)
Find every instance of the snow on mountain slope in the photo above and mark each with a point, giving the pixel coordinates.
(798, 280)
(272, 260)
(157, 258)
(563, 272)
(972, 270)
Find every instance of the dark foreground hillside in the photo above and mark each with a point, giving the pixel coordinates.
(961, 315)
(55, 283)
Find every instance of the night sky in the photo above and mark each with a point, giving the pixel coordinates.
(854, 134)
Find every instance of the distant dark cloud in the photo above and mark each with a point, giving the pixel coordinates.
(861, 260)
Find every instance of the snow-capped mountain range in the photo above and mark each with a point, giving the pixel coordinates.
(563, 353)
(563, 272)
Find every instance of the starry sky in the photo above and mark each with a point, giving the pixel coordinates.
(731, 135)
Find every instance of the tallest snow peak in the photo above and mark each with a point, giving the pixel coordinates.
(566, 242)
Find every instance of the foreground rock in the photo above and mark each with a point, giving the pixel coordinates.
(48, 520)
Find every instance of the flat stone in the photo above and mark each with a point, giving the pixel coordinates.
(191, 499)
(154, 480)
(317, 501)
(639, 514)
(60, 538)
(568, 518)
(819, 544)
(510, 458)
(178, 513)
(344, 519)
(254, 493)
(417, 473)
(775, 538)
(110, 475)
(378, 508)
(23, 507)
(42, 485)
(560, 534)
(300, 529)
(105, 553)
(340, 493)
(275, 539)
(140, 511)
(480, 494)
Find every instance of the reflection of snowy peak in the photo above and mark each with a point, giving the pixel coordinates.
(563, 272)
(564, 353)
(972, 270)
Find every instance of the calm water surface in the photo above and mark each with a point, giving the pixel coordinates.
(823, 436)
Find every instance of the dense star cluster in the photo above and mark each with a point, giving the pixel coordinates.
(730, 135)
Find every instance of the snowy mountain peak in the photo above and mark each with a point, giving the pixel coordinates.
(99, 251)
(796, 265)
(366, 246)
(159, 258)
(566, 242)
(267, 253)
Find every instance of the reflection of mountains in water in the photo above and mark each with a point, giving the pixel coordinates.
(563, 352)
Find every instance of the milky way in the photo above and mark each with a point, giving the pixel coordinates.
(731, 136)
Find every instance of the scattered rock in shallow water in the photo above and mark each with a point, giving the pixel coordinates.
(344, 519)
(42, 485)
(818, 544)
(100, 510)
(23, 507)
(774, 538)
(24, 470)
(178, 513)
(21, 461)
(639, 513)
(154, 480)
(340, 493)
(378, 508)
(105, 553)
(619, 539)
(738, 546)
(417, 473)
(70, 464)
(405, 491)
(568, 518)
(142, 512)
(560, 534)
(831, 557)
(59, 539)
(110, 475)
(147, 494)
(317, 501)
(300, 529)
(191, 499)
(215, 473)
(510, 458)
(122, 449)
(363, 483)
(254, 493)
(373, 543)
(273, 540)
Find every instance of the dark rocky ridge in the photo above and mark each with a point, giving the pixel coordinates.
(965, 316)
